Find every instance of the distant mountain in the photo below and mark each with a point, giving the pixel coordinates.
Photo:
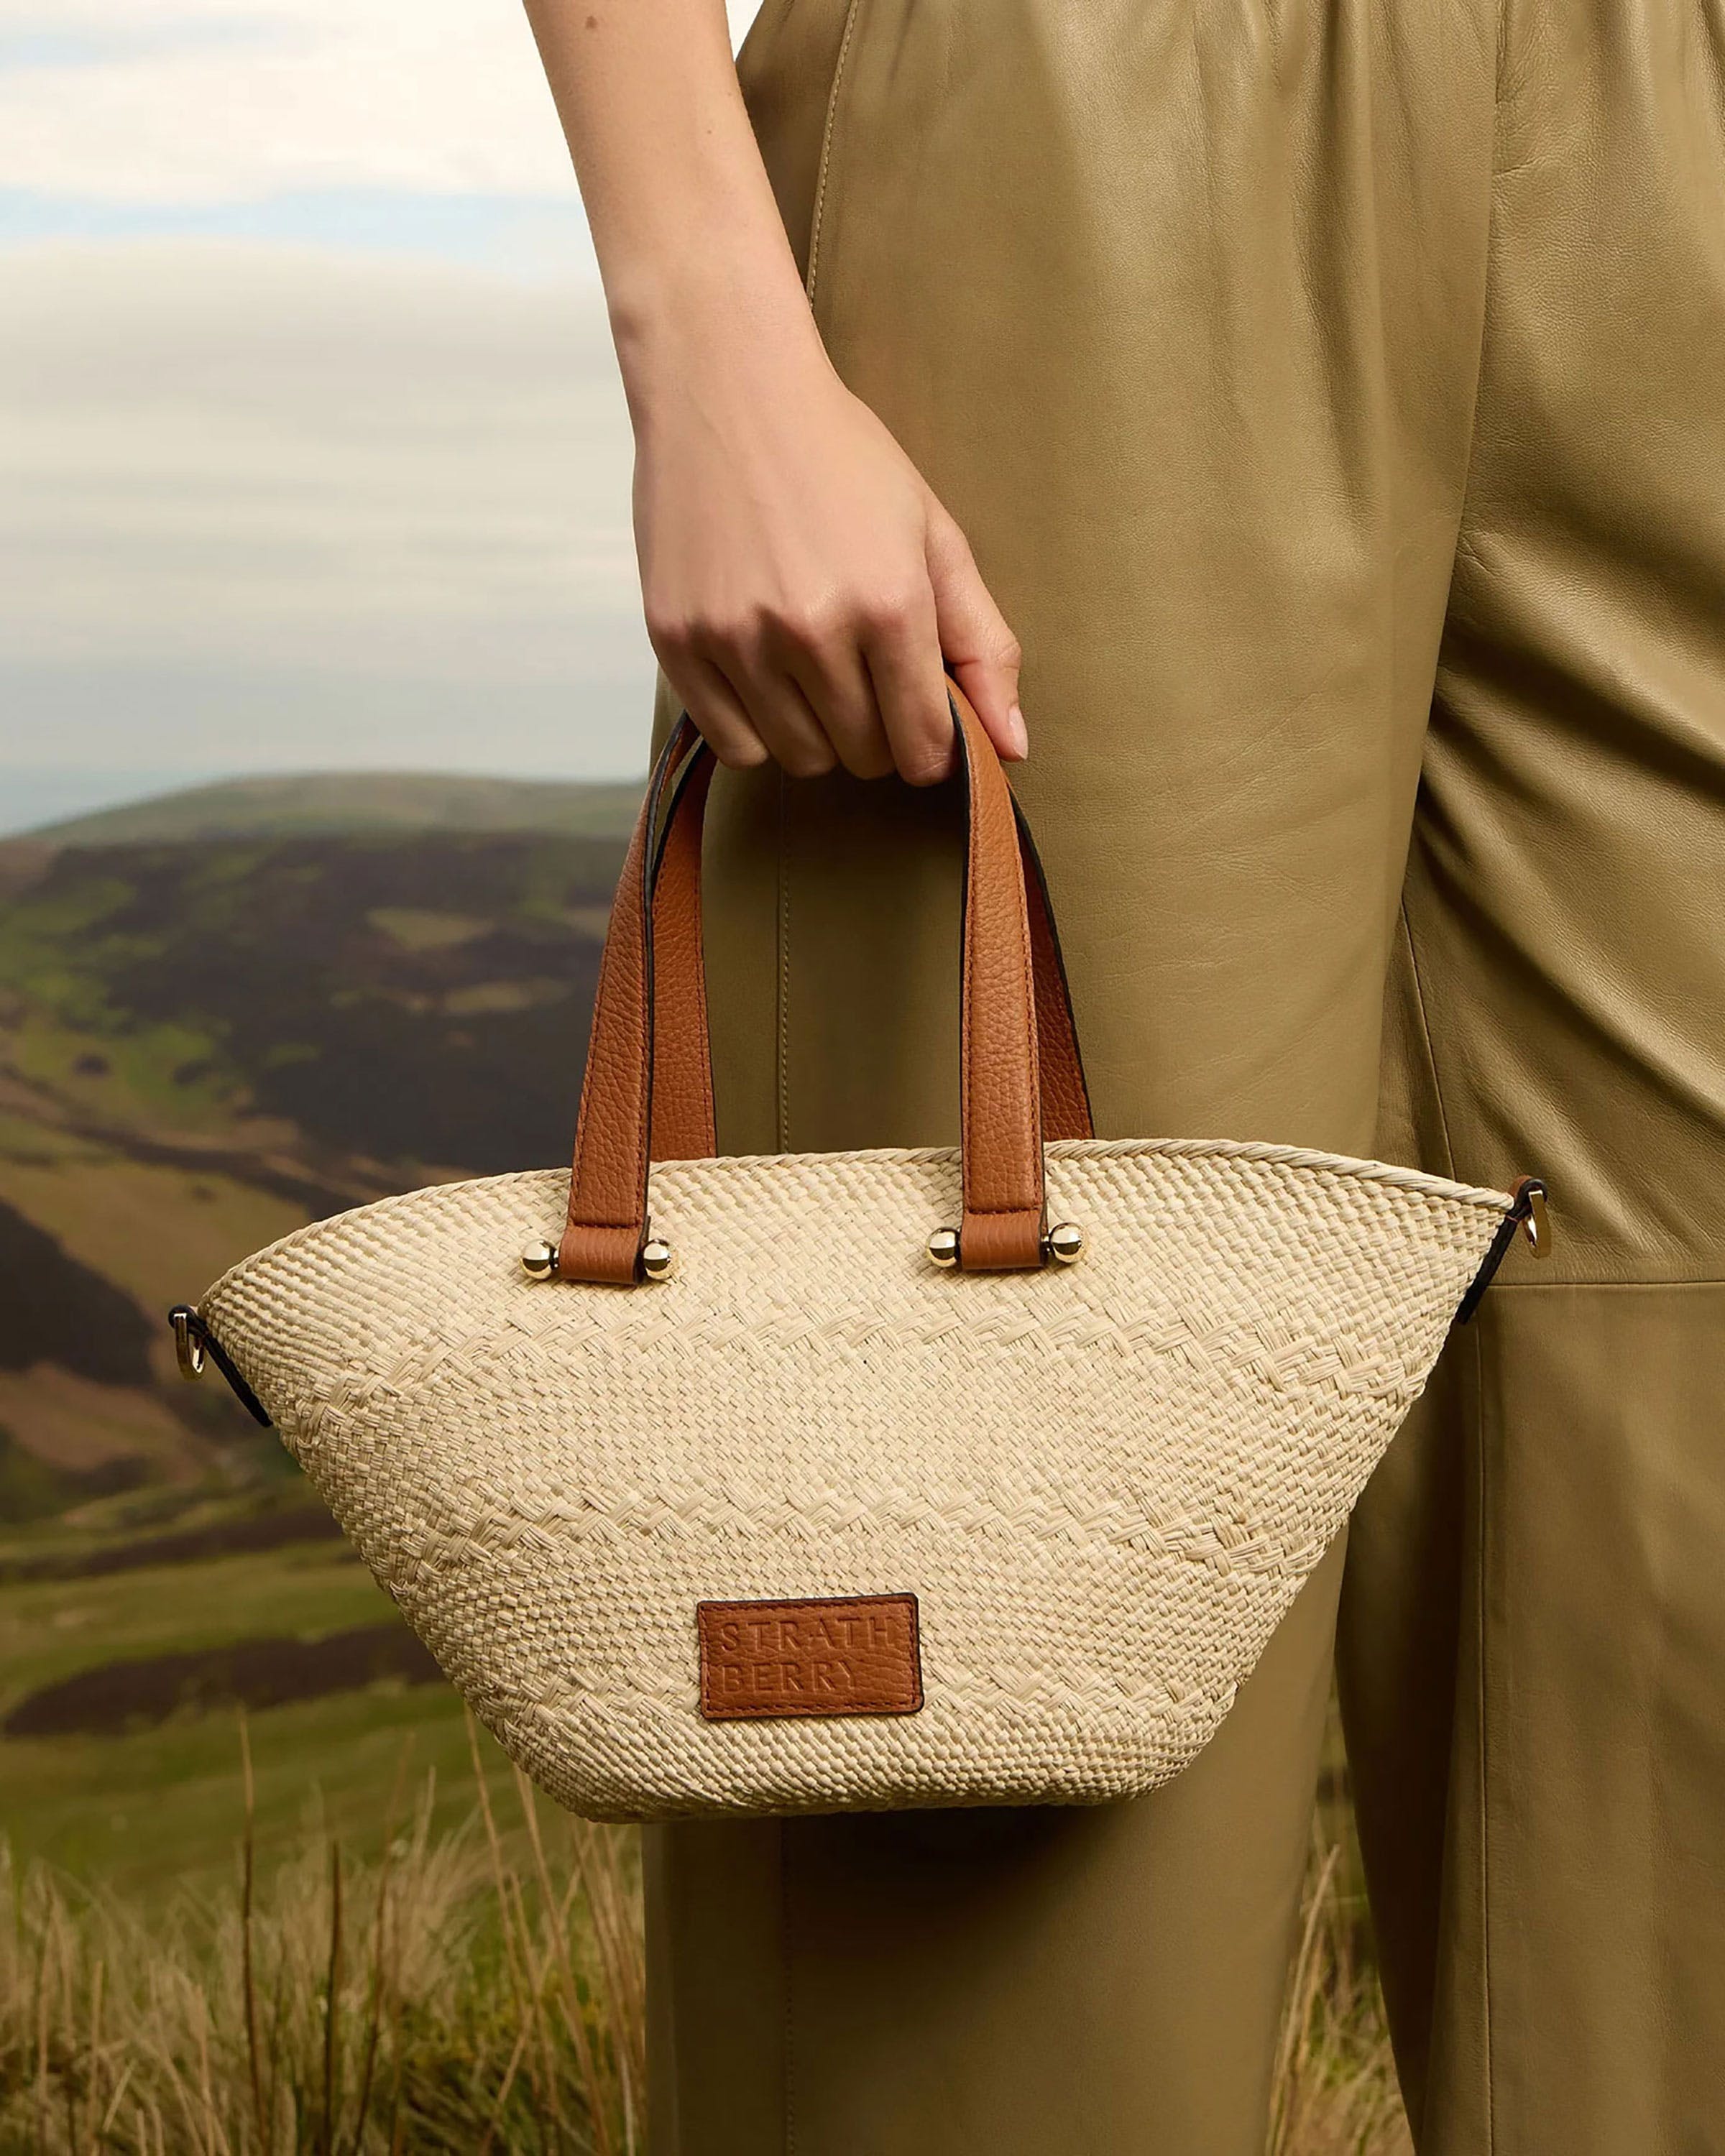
(206, 1042)
(312, 804)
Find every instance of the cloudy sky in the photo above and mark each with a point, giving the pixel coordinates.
(312, 450)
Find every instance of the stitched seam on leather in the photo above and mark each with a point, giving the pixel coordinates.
(1500, 60)
(644, 1088)
(699, 778)
(1427, 1042)
(593, 1213)
(586, 1213)
(1028, 985)
(1462, 539)
(1029, 997)
(589, 1075)
(644, 1078)
(1032, 1061)
(1483, 1771)
(966, 930)
(789, 2036)
(1623, 1280)
(782, 1076)
(828, 130)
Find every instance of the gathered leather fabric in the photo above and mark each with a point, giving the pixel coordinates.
(1329, 390)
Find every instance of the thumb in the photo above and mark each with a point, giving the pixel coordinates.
(975, 640)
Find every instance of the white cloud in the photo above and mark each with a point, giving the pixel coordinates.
(222, 101)
(341, 496)
(444, 95)
(266, 506)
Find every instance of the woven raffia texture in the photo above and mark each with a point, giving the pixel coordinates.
(1104, 1483)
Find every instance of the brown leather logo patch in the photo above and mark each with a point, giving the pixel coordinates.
(836, 1655)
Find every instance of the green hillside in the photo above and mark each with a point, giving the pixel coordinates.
(329, 802)
(205, 1041)
(202, 1044)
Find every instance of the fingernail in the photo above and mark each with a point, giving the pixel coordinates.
(1015, 732)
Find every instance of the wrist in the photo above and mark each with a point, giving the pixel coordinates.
(706, 307)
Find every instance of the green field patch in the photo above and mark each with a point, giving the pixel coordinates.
(148, 1813)
(417, 928)
(81, 1425)
(161, 1233)
(104, 1534)
(329, 803)
(178, 1071)
(51, 1628)
(281, 1054)
(499, 997)
(33, 1489)
(114, 1067)
(114, 1698)
(232, 1535)
(37, 926)
(144, 1805)
(25, 1142)
(216, 871)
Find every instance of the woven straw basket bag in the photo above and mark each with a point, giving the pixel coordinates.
(855, 1480)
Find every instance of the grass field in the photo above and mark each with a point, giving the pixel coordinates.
(476, 1987)
(375, 1849)
(144, 1812)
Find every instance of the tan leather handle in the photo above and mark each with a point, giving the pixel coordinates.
(1000, 1091)
(683, 1114)
(649, 1069)
(607, 1221)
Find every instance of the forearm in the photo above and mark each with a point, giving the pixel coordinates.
(799, 582)
(688, 235)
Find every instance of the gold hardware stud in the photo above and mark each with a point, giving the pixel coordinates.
(943, 1248)
(539, 1260)
(188, 1348)
(1063, 1244)
(1537, 1227)
(658, 1260)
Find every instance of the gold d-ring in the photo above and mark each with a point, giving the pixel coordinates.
(1536, 1223)
(188, 1347)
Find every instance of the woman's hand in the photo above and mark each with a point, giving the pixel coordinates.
(802, 582)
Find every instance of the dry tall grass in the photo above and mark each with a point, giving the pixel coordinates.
(1335, 2092)
(480, 1992)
